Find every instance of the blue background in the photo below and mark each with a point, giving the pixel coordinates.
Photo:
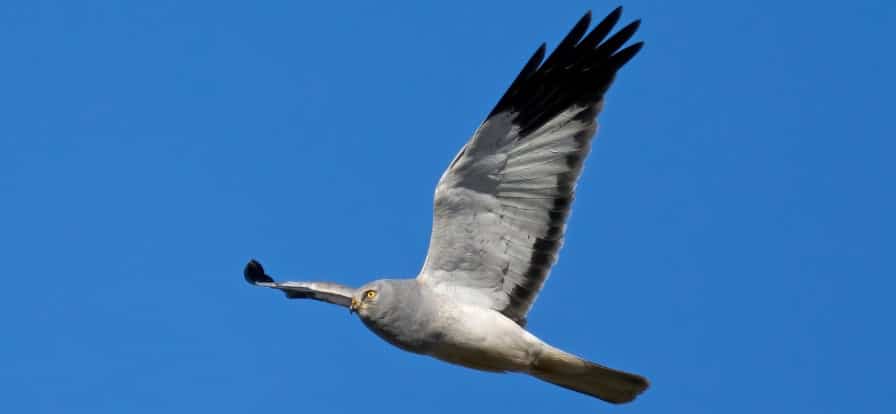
(732, 238)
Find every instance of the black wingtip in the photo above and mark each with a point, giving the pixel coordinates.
(254, 273)
(572, 38)
(616, 13)
(578, 72)
(586, 17)
(620, 58)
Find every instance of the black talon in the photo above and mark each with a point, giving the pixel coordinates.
(254, 273)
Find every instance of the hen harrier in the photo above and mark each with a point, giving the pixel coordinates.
(499, 216)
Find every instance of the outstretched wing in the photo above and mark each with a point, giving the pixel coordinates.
(323, 291)
(500, 209)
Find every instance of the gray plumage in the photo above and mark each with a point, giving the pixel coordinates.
(500, 213)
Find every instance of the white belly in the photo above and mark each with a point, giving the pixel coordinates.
(484, 339)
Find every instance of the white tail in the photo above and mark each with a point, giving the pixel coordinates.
(577, 374)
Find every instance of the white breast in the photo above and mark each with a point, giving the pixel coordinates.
(484, 339)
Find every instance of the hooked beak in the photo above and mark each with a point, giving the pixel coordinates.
(354, 306)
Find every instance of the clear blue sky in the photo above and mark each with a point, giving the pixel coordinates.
(732, 238)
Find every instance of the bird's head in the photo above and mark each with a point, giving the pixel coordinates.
(368, 300)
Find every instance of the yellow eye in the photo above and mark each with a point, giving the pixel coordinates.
(370, 294)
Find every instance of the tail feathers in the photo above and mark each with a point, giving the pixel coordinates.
(574, 373)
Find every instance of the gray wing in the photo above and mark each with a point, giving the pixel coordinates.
(323, 291)
(500, 208)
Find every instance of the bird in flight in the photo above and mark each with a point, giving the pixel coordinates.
(500, 213)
